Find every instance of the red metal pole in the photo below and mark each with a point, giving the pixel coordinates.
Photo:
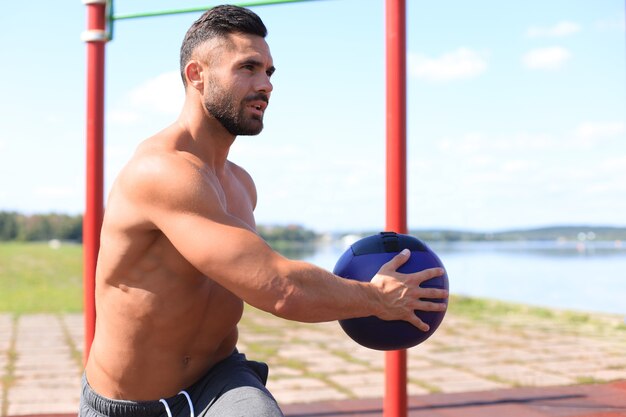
(96, 39)
(395, 404)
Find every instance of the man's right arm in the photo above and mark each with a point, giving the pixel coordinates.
(181, 203)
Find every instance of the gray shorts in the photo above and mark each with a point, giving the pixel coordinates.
(235, 387)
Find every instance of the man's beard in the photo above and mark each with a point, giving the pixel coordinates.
(221, 105)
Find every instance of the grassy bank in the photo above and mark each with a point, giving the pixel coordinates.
(36, 278)
(500, 313)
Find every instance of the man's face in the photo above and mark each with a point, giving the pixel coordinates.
(238, 86)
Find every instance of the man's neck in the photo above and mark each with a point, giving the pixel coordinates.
(211, 141)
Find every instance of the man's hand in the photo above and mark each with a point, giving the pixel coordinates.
(401, 294)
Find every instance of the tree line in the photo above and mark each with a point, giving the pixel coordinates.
(42, 227)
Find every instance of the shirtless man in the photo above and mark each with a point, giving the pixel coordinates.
(179, 253)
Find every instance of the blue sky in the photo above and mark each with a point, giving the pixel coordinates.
(516, 110)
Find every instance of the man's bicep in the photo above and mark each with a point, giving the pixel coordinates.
(224, 249)
(188, 210)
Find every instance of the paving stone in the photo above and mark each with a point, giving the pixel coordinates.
(368, 391)
(413, 363)
(300, 383)
(282, 371)
(522, 375)
(57, 406)
(5, 319)
(373, 358)
(312, 336)
(473, 384)
(337, 366)
(46, 377)
(301, 351)
(608, 375)
(6, 332)
(5, 343)
(38, 358)
(463, 356)
(413, 389)
(24, 394)
(291, 390)
(576, 369)
(362, 385)
(451, 380)
(355, 379)
(288, 396)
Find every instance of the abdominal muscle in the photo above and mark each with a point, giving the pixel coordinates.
(158, 330)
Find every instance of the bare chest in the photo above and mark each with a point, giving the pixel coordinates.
(235, 198)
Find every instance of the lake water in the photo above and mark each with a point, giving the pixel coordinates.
(589, 276)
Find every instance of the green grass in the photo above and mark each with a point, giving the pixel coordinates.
(497, 313)
(35, 278)
(483, 308)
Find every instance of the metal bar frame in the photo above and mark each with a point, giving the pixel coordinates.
(201, 9)
(395, 402)
(94, 198)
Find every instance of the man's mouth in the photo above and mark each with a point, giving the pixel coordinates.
(259, 105)
(258, 108)
(258, 102)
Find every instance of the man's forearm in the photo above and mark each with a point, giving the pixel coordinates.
(311, 294)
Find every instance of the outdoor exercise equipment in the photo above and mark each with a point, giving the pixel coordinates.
(100, 19)
(361, 261)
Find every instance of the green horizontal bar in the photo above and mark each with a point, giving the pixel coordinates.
(200, 9)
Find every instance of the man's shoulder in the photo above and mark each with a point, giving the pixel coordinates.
(150, 165)
(156, 174)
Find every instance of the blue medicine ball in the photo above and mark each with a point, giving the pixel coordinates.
(361, 261)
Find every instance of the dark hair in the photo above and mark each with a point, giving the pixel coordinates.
(219, 21)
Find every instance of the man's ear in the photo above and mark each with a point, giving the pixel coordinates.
(194, 73)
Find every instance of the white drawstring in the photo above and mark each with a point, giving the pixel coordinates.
(192, 413)
(167, 407)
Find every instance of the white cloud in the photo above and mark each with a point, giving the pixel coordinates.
(482, 143)
(551, 58)
(161, 94)
(462, 63)
(617, 23)
(122, 117)
(55, 191)
(157, 96)
(516, 165)
(589, 133)
(259, 150)
(561, 29)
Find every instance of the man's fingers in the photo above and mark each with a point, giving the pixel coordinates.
(425, 306)
(433, 293)
(427, 274)
(397, 261)
(417, 322)
(430, 306)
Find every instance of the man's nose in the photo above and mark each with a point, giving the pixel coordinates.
(265, 85)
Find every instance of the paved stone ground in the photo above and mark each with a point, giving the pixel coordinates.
(40, 358)
(589, 400)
